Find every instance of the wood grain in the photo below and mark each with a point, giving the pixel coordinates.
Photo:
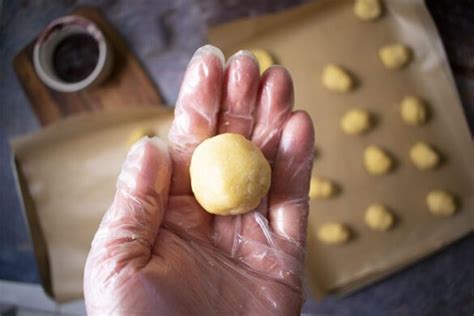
(128, 84)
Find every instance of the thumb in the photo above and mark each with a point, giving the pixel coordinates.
(129, 228)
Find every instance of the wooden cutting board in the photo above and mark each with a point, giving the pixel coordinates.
(128, 84)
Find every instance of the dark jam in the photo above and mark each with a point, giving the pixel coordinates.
(75, 57)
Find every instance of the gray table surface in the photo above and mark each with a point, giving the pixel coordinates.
(164, 35)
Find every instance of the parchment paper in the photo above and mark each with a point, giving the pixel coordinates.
(68, 173)
(304, 40)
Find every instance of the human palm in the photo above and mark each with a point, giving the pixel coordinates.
(158, 252)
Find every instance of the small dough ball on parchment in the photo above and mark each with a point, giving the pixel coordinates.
(355, 121)
(441, 203)
(337, 79)
(395, 56)
(367, 10)
(378, 217)
(423, 156)
(138, 134)
(413, 110)
(333, 233)
(321, 188)
(377, 161)
(229, 174)
(265, 60)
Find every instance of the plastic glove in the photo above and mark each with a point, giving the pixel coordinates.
(158, 252)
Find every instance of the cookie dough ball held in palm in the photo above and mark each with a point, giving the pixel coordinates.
(229, 174)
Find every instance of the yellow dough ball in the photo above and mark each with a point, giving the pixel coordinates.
(441, 203)
(336, 78)
(229, 174)
(265, 60)
(333, 233)
(321, 188)
(367, 10)
(138, 134)
(378, 217)
(413, 110)
(356, 121)
(424, 156)
(376, 160)
(395, 56)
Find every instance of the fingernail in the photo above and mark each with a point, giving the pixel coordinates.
(276, 71)
(240, 53)
(158, 143)
(209, 50)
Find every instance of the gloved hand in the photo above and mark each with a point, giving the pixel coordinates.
(158, 252)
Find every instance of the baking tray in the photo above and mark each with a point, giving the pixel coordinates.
(307, 38)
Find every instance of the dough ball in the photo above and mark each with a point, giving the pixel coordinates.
(229, 174)
(424, 156)
(321, 188)
(376, 160)
(395, 56)
(441, 203)
(336, 79)
(334, 233)
(265, 60)
(378, 217)
(413, 110)
(367, 10)
(138, 134)
(356, 121)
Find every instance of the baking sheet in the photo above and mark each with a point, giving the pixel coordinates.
(307, 38)
(67, 174)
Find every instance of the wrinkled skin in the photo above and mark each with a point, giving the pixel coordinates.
(158, 252)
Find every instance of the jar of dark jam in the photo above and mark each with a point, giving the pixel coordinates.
(72, 54)
(75, 57)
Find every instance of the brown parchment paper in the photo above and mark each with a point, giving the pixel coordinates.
(67, 175)
(304, 40)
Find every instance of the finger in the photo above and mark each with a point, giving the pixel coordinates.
(129, 228)
(288, 198)
(241, 79)
(196, 112)
(274, 104)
